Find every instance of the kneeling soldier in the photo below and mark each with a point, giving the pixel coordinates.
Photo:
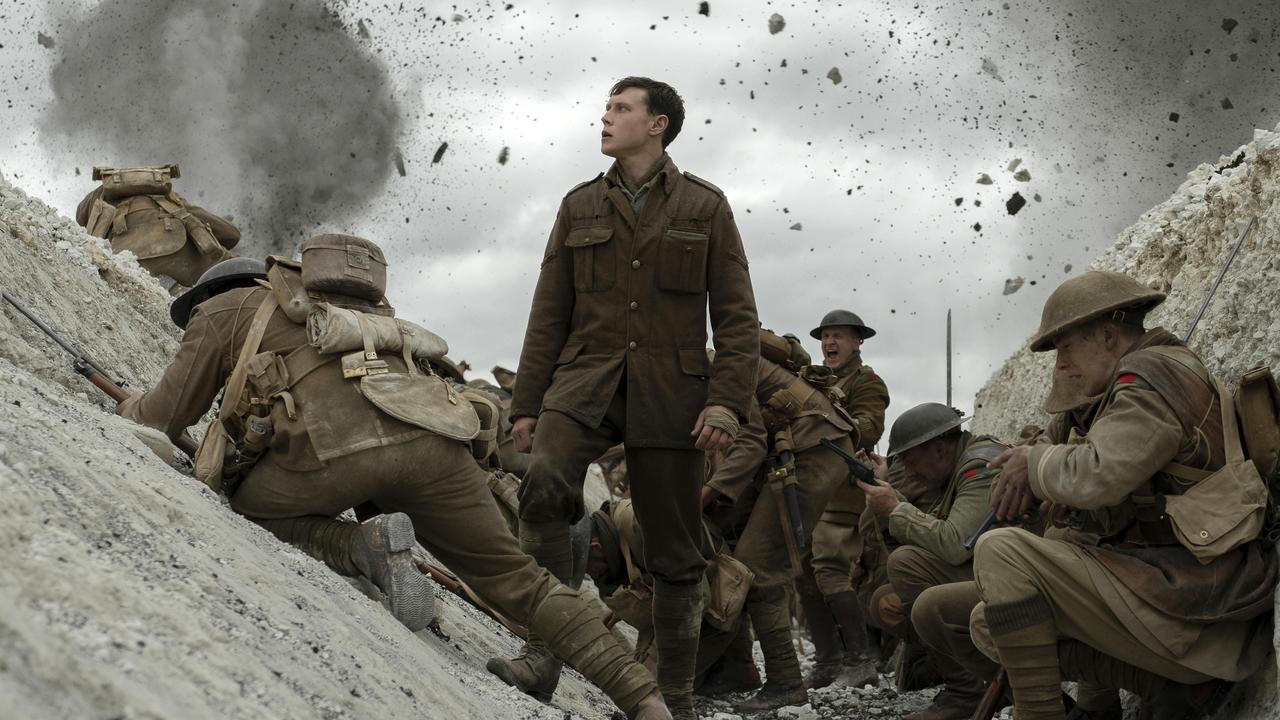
(328, 404)
(1154, 579)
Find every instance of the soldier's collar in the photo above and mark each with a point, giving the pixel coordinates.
(664, 172)
(849, 366)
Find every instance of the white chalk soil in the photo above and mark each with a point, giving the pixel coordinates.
(130, 591)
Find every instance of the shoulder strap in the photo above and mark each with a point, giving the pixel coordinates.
(239, 374)
(1234, 451)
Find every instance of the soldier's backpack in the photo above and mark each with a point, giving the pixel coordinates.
(1257, 403)
(137, 210)
(784, 350)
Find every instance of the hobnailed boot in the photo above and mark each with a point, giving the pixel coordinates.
(784, 685)
(959, 697)
(572, 629)
(736, 670)
(536, 670)
(677, 624)
(381, 550)
(828, 651)
(859, 663)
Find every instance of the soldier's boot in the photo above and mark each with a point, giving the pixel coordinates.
(960, 695)
(736, 670)
(536, 670)
(572, 629)
(828, 649)
(378, 550)
(1027, 643)
(784, 684)
(859, 661)
(677, 624)
(381, 550)
(1099, 676)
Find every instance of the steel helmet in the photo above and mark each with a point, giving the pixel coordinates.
(232, 272)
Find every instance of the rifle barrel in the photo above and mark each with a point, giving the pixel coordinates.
(1221, 273)
(53, 335)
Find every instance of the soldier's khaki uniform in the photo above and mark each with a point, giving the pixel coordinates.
(930, 537)
(615, 350)
(787, 404)
(836, 541)
(1113, 580)
(339, 451)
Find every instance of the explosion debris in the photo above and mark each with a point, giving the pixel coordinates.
(1015, 203)
(439, 153)
(776, 23)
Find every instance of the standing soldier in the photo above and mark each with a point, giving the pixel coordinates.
(616, 350)
(827, 593)
(782, 451)
(328, 405)
(1154, 579)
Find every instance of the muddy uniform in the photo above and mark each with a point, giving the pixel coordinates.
(836, 540)
(615, 350)
(804, 416)
(1112, 590)
(333, 450)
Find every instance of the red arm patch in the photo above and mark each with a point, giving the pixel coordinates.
(1126, 379)
(972, 472)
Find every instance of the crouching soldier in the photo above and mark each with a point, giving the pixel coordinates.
(1154, 579)
(137, 210)
(947, 467)
(329, 404)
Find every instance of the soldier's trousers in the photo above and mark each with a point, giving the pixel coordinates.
(433, 480)
(1038, 592)
(837, 544)
(665, 484)
(940, 616)
(911, 570)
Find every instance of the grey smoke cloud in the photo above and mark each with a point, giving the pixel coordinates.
(277, 114)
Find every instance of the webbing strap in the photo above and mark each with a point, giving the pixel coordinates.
(235, 384)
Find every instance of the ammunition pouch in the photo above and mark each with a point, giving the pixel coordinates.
(485, 444)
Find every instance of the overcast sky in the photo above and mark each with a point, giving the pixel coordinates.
(861, 194)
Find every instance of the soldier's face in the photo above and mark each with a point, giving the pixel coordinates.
(1086, 359)
(928, 464)
(628, 126)
(838, 343)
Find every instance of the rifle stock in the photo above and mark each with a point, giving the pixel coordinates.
(992, 698)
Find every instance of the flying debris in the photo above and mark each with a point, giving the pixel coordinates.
(399, 161)
(502, 156)
(1022, 175)
(1173, 117)
(989, 67)
(1066, 268)
(439, 153)
(797, 226)
(1013, 164)
(1015, 203)
(1226, 103)
(362, 30)
(1013, 285)
(776, 23)
(984, 179)
(704, 8)
(1229, 24)
(44, 40)
(834, 76)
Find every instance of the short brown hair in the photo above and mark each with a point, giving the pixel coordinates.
(662, 99)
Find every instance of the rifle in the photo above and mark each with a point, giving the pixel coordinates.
(857, 469)
(992, 698)
(782, 480)
(91, 371)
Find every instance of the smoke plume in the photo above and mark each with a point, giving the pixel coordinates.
(276, 113)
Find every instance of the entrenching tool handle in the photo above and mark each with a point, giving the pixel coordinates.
(991, 698)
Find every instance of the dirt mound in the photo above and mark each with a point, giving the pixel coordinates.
(128, 590)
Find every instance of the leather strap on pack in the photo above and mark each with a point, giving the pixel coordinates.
(231, 397)
(197, 230)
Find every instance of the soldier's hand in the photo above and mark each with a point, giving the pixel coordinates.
(1011, 492)
(522, 433)
(134, 396)
(877, 463)
(881, 497)
(709, 437)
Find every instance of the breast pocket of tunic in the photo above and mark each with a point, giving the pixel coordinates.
(682, 260)
(593, 257)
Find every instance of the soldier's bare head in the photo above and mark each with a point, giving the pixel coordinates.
(642, 116)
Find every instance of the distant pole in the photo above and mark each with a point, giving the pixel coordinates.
(948, 356)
